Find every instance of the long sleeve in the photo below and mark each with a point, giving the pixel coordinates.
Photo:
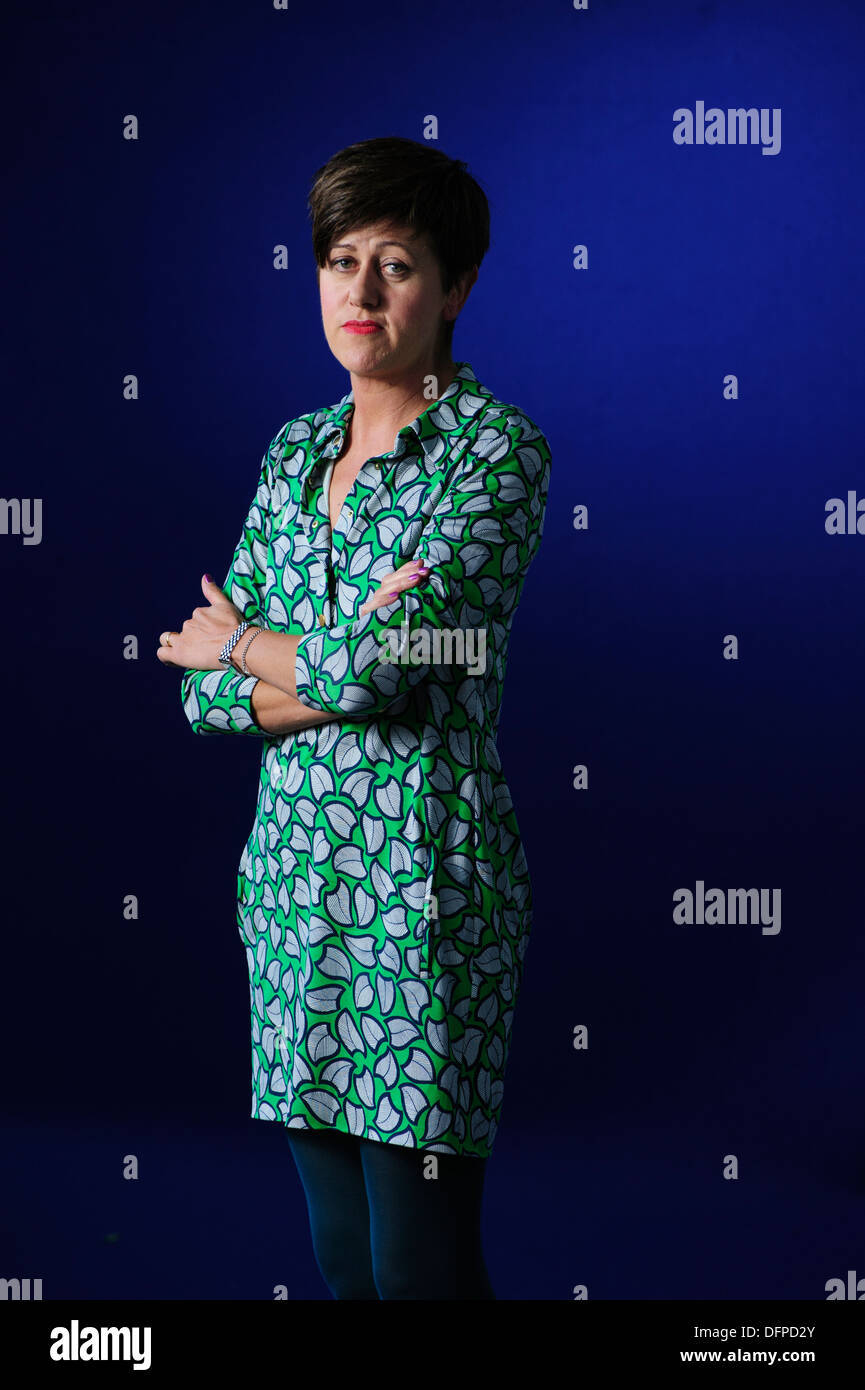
(220, 702)
(481, 540)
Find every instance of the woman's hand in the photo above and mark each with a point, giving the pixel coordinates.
(202, 636)
(396, 582)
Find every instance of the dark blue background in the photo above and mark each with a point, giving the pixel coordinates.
(706, 517)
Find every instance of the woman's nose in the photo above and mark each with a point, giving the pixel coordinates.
(364, 289)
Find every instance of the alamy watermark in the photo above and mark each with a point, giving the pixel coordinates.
(439, 646)
(719, 906)
(77, 1343)
(735, 126)
(20, 1290)
(22, 516)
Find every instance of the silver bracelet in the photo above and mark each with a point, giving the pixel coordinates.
(243, 665)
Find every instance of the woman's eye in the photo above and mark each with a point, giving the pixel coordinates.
(397, 266)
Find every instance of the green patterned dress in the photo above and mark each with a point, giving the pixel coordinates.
(383, 894)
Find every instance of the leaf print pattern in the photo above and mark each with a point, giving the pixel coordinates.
(383, 895)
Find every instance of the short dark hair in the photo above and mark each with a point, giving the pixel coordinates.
(398, 180)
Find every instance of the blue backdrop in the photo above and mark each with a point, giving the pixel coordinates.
(692, 638)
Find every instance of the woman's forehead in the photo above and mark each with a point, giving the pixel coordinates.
(381, 234)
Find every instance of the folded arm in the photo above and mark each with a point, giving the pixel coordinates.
(480, 542)
(227, 701)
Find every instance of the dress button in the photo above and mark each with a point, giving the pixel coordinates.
(321, 620)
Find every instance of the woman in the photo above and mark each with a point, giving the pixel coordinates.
(383, 895)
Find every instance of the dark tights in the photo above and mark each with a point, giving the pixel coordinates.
(380, 1228)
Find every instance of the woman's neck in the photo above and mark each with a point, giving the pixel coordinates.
(383, 408)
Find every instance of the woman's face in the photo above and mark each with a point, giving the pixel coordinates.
(387, 275)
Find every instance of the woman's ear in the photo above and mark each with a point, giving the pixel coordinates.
(459, 293)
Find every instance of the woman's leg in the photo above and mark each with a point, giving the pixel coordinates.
(329, 1165)
(425, 1231)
